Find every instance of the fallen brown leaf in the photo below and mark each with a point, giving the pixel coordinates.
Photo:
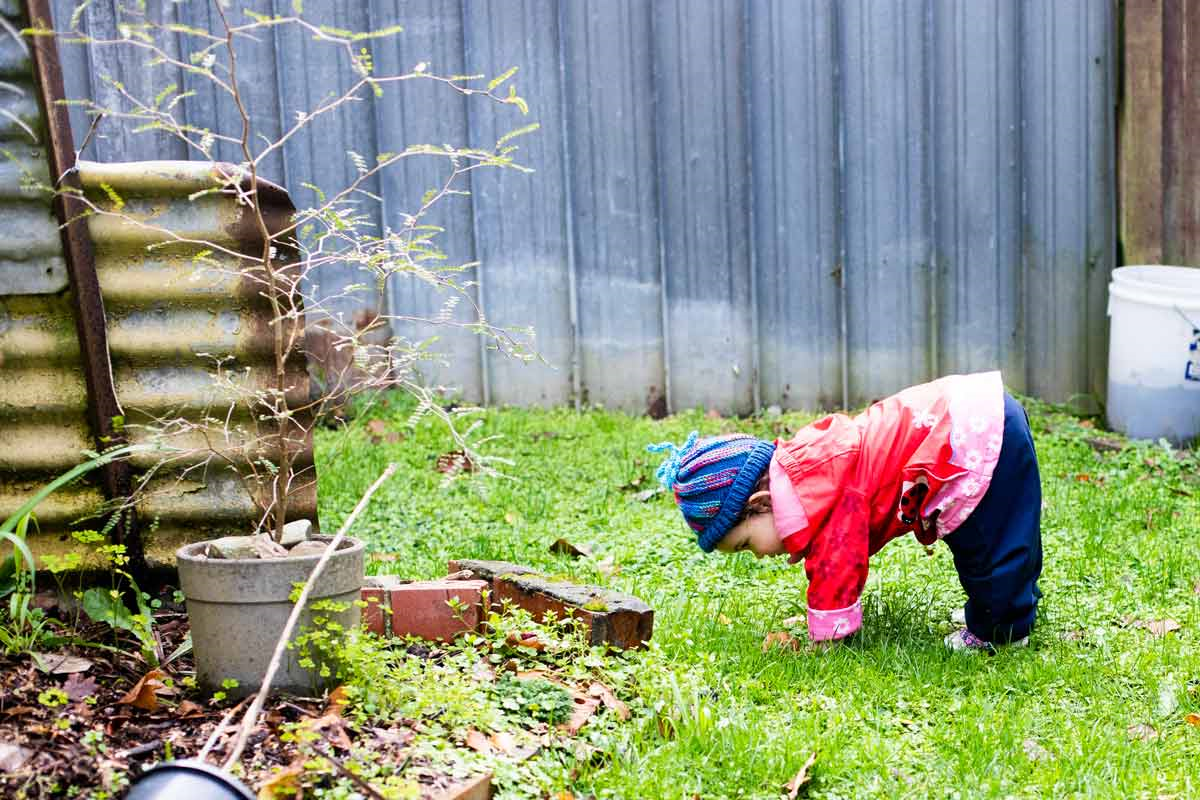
(1158, 627)
(454, 462)
(189, 710)
(60, 664)
(781, 638)
(285, 783)
(377, 427)
(724, 620)
(479, 742)
(144, 694)
(802, 777)
(387, 557)
(529, 640)
(584, 708)
(13, 757)
(17, 711)
(339, 698)
(503, 742)
(331, 727)
(1192, 719)
(1143, 732)
(574, 550)
(78, 687)
(598, 689)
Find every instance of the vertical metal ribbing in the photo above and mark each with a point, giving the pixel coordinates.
(755, 333)
(485, 376)
(839, 214)
(662, 251)
(569, 221)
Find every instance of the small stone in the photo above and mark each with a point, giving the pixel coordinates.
(296, 531)
(308, 548)
(232, 547)
(774, 411)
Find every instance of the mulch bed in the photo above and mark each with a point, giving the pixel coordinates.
(70, 726)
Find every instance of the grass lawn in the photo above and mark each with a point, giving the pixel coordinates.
(1097, 706)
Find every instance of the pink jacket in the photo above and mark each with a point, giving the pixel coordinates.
(919, 461)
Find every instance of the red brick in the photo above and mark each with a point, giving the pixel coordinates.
(420, 608)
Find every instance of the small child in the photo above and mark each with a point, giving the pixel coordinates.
(952, 459)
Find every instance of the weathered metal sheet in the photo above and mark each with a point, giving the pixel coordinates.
(886, 178)
(163, 314)
(704, 195)
(520, 219)
(796, 202)
(1068, 237)
(609, 123)
(976, 118)
(432, 34)
(805, 203)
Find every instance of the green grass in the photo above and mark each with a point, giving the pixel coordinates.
(891, 714)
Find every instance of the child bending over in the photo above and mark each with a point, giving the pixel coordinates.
(952, 459)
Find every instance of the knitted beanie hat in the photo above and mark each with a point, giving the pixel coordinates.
(712, 478)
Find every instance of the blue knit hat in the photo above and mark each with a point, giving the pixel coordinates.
(712, 479)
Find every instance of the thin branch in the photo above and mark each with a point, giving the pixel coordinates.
(251, 717)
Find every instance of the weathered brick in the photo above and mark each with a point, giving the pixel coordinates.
(421, 608)
(620, 620)
(375, 616)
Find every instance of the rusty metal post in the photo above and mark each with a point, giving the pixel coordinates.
(104, 410)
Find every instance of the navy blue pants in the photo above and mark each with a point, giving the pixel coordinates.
(998, 549)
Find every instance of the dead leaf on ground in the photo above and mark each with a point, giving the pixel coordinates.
(528, 639)
(781, 638)
(598, 689)
(78, 687)
(144, 694)
(285, 783)
(574, 550)
(794, 622)
(1158, 627)
(59, 663)
(647, 494)
(332, 728)
(339, 698)
(585, 707)
(479, 742)
(454, 462)
(1145, 733)
(1103, 444)
(17, 711)
(386, 557)
(13, 757)
(1192, 719)
(802, 777)
(724, 620)
(189, 710)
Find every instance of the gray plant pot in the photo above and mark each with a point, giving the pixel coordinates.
(237, 609)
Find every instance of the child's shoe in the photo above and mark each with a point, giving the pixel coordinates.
(964, 640)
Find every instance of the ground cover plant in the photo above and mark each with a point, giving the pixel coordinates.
(1104, 703)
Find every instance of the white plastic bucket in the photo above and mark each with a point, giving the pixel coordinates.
(1154, 352)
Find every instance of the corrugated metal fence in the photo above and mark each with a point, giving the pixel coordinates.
(736, 203)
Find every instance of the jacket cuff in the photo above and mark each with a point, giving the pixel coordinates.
(836, 624)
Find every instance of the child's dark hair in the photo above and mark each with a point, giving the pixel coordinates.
(748, 510)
